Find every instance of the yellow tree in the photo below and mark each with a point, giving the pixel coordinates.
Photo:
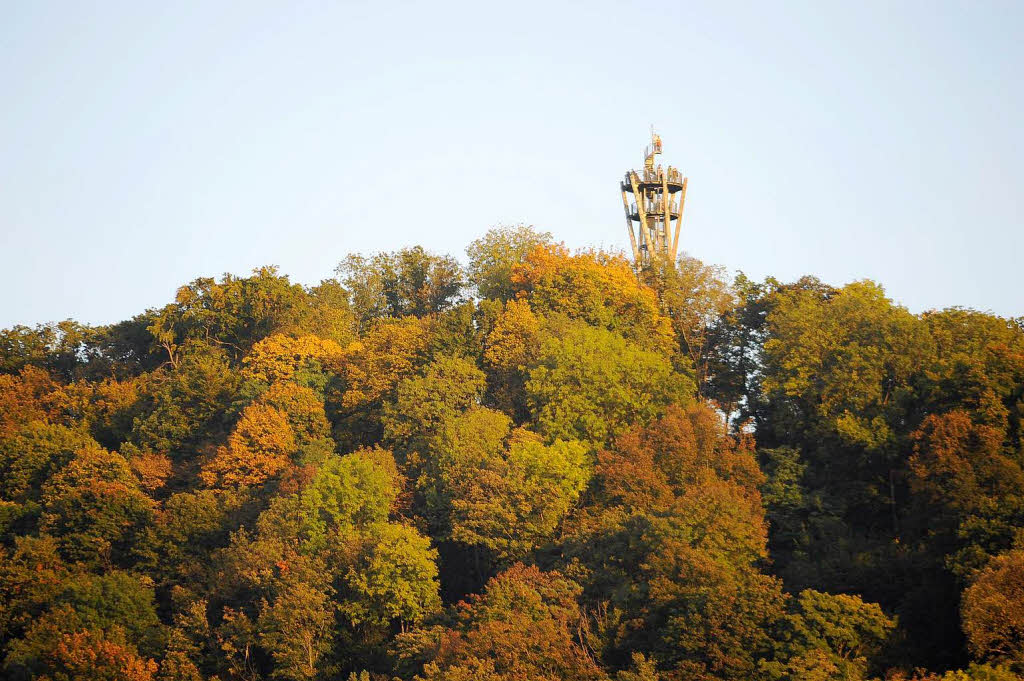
(282, 357)
(514, 338)
(510, 346)
(370, 372)
(260, 448)
(389, 352)
(23, 398)
(304, 409)
(596, 287)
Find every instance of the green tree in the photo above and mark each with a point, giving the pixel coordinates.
(410, 281)
(355, 490)
(117, 598)
(95, 506)
(590, 384)
(846, 362)
(695, 297)
(394, 578)
(297, 630)
(499, 489)
(237, 312)
(444, 388)
(839, 632)
(187, 405)
(35, 453)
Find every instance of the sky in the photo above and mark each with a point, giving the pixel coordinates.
(143, 144)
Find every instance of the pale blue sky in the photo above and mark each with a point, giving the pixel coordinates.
(144, 144)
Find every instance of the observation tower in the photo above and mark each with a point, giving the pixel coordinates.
(653, 199)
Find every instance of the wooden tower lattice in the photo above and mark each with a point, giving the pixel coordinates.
(653, 200)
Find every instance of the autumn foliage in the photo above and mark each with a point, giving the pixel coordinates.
(537, 467)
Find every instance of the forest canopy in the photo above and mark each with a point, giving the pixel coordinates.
(533, 466)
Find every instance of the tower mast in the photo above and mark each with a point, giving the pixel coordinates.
(653, 200)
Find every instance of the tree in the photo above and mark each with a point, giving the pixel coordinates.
(695, 296)
(993, 610)
(95, 506)
(328, 315)
(978, 368)
(735, 349)
(307, 417)
(191, 526)
(839, 385)
(968, 493)
(523, 626)
(514, 339)
(590, 384)
(845, 361)
(597, 288)
(63, 349)
(355, 490)
(185, 406)
(117, 598)
(511, 345)
(499, 489)
(670, 547)
(787, 504)
(89, 654)
(288, 358)
(273, 612)
(394, 578)
(152, 470)
(237, 312)
(296, 629)
(260, 448)
(641, 669)
(444, 388)
(840, 633)
(519, 509)
(688, 441)
(410, 281)
(706, 618)
(31, 577)
(960, 465)
(22, 346)
(371, 370)
(107, 408)
(24, 398)
(58, 647)
(493, 257)
(34, 454)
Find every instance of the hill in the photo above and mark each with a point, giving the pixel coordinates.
(535, 467)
